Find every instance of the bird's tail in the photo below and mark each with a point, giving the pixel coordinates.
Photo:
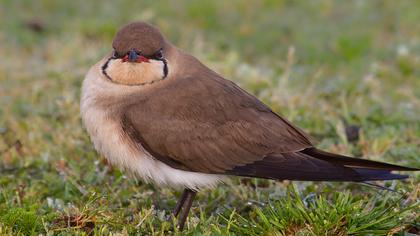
(316, 165)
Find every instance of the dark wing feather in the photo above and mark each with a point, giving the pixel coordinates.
(208, 124)
(353, 162)
(301, 166)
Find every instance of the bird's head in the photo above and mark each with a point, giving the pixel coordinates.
(138, 57)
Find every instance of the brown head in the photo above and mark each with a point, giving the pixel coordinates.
(138, 57)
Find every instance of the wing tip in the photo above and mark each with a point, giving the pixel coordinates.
(372, 175)
(353, 162)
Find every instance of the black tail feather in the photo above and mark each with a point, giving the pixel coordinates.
(370, 174)
(316, 165)
(352, 161)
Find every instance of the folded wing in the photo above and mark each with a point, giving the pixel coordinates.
(208, 124)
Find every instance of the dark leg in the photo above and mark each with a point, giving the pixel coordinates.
(187, 206)
(180, 203)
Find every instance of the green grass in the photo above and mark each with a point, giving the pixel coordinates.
(325, 65)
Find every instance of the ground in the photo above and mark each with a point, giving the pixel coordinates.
(328, 66)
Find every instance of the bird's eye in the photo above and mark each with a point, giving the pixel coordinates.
(158, 55)
(115, 54)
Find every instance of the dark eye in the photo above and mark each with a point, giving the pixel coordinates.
(158, 55)
(115, 54)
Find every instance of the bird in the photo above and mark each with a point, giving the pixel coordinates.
(161, 115)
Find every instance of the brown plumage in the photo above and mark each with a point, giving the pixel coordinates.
(208, 124)
(140, 36)
(178, 123)
(221, 128)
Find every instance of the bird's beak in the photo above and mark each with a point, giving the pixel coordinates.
(133, 56)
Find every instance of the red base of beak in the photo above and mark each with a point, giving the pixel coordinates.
(140, 59)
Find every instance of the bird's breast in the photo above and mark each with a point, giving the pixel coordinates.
(103, 124)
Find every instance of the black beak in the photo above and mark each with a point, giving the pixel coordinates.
(132, 56)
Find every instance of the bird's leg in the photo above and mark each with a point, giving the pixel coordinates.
(190, 194)
(180, 203)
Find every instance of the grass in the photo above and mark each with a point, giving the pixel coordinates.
(327, 66)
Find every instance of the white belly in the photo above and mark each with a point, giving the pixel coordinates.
(109, 139)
